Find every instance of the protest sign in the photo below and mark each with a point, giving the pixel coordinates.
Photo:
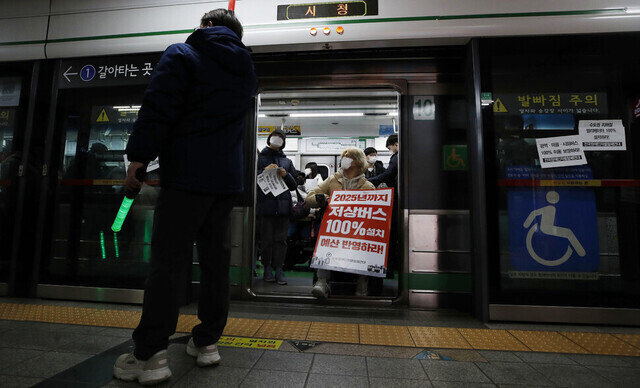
(354, 235)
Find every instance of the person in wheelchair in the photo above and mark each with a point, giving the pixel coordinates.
(353, 165)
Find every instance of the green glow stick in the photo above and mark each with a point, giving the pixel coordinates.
(122, 214)
(127, 202)
(115, 244)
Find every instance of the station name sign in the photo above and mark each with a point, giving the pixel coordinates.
(327, 10)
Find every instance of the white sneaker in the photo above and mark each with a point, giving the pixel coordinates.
(321, 289)
(206, 355)
(150, 372)
(362, 288)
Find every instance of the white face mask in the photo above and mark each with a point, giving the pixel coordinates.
(345, 163)
(276, 141)
(372, 159)
(307, 171)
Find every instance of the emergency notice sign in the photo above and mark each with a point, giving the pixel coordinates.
(354, 235)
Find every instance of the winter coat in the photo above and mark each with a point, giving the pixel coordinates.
(334, 182)
(267, 204)
(193, 113)
(378, 168)
(390, 175)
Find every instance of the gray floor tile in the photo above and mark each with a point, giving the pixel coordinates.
(381, 382)
(454, 371)
(9, 357)
(339, 365)
(513, 373)
(239, 358)
(457, 384)
(625, 377)
(324, 380)
(89, 344)
(86, 330)
(632, 361)
(597, 360)
(395, 368)
(365, 350)
(116, 332)
(285, 361)
(571, 376)
(274, 379)
(40, 340)
(18, 381)
(47, 364)
(461, 355)
(217, 376)
(500, 356)
(545, 358)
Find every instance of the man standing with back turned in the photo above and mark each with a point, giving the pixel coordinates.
(192, 117)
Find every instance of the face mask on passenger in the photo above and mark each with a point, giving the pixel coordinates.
(276, 141)
(307, 171)
(372, 159)
(345, 163)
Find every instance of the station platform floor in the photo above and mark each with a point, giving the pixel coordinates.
(46, 343)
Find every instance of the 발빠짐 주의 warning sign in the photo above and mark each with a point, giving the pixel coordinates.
(354, 235)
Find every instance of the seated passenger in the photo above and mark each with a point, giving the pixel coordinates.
(350, 177)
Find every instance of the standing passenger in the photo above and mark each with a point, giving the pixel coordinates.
(273, 211)
(374, 166)
(196, 102)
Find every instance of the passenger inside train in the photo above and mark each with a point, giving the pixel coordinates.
(319, 126)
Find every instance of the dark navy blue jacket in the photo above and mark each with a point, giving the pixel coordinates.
(268, 204)
(390, 175)
(193, 113)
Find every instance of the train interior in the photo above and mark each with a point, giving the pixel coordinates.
(320, 124)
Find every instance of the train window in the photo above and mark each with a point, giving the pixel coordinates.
(319, 125)
(566, 228)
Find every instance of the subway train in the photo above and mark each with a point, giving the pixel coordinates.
(518, 189)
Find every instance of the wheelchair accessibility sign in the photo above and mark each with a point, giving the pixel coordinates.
(553, 229)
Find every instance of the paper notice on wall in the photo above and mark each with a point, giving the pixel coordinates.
(153, 165)
(602, 135)
(271, 182)
(560, 151)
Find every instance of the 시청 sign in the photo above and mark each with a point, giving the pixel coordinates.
(354, 235)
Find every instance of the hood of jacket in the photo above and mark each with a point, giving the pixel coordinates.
(220, 42)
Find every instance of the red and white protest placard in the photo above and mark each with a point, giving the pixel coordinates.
(354, 235)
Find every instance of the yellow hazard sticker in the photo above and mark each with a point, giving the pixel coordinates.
(102, 117)
(256, 343)
(499, 107)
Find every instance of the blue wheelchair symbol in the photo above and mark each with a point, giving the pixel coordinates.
(555, 230)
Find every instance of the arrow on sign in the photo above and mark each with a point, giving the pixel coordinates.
(66, 73)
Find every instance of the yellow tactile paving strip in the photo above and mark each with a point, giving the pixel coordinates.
(385, 335)
(547, 341)
(352, 333)
(598, 343)
(438, 337)
(241, 327)
(334, 332)
(284, 330)
(493, 340)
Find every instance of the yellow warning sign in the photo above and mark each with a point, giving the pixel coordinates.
(256, 343)
(102, 117)
(499, 107)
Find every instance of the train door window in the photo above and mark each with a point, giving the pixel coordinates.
(94, 126)
(566, 217)
(320, 124)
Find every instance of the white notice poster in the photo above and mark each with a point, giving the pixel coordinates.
(561, 151)
(602, 135)
(270, 182)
